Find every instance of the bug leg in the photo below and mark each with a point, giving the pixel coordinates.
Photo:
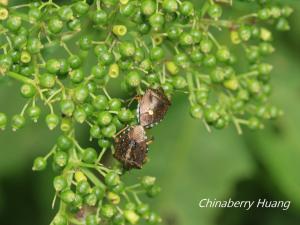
(125, 128)
(150, 140)
(135, 98)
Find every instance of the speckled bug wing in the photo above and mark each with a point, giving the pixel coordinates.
(152, 107)
(131, 147)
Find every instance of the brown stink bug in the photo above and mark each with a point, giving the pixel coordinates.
(131, 147)
(152, 107)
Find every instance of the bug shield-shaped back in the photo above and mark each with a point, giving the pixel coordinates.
(131, 147)
(152, 107)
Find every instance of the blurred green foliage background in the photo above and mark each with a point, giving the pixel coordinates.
(190, 163)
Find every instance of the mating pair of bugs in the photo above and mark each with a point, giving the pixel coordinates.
(131, 144)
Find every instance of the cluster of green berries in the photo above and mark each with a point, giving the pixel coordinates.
(65, 56)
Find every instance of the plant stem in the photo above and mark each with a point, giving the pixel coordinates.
(20, 77)
(92, 177)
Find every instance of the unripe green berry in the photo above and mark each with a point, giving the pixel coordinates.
(107, 211)
(174, 32)
(74, 25)
(14, 23)
(143, 209)
(91, 220)
(157, 21)
(77, 76)
(148, 181)
(55, 25)
(217, 75)
(65, 13)
(223, 54)
(112, 179)
(211, 115)
(60, 220)
(104, 118)
(25, 57)
(75, 61)
(47, 80)
(61, 158)
(179, 82)
(196, 111)
(206, 45)
(254, 86)
(68, 196)
(28, 90)
(100, 17)
(99, 192)
(60, 183)
(245, 33)
(263, 14)
(170, 5)
(113, 198)
(81, 7)
(17, 122)
(131, 216)
(85, 43)
(119, 30)
(133, 78)
(104, 143)
(283, 25)
(127, 49)
(153, 191)
(157, 54)
(125, 115)
(3, 13)
(100, 102)
(264, 68)
(120, 188)
(115, 104)
(39, 164)
(153, 218)
(287, 11)
(67, 107)
(186, 39)
(34, 45)
(66, 124)
(148, 7)
(127, 9)
(81, 93)
(231, 84)
(109, 131)
(196, 35)
(130, 206)
(79, 115)
(64, 142)
(53, 66)
(83, 187)
(215, 11)
(95, 132)
(221, 123)
(52, 120)
(254, 123)
(89, 155)
(172, 68)
(186, 8)
(34, 113)
(114, 70)
(118, 219)
(34, 14)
